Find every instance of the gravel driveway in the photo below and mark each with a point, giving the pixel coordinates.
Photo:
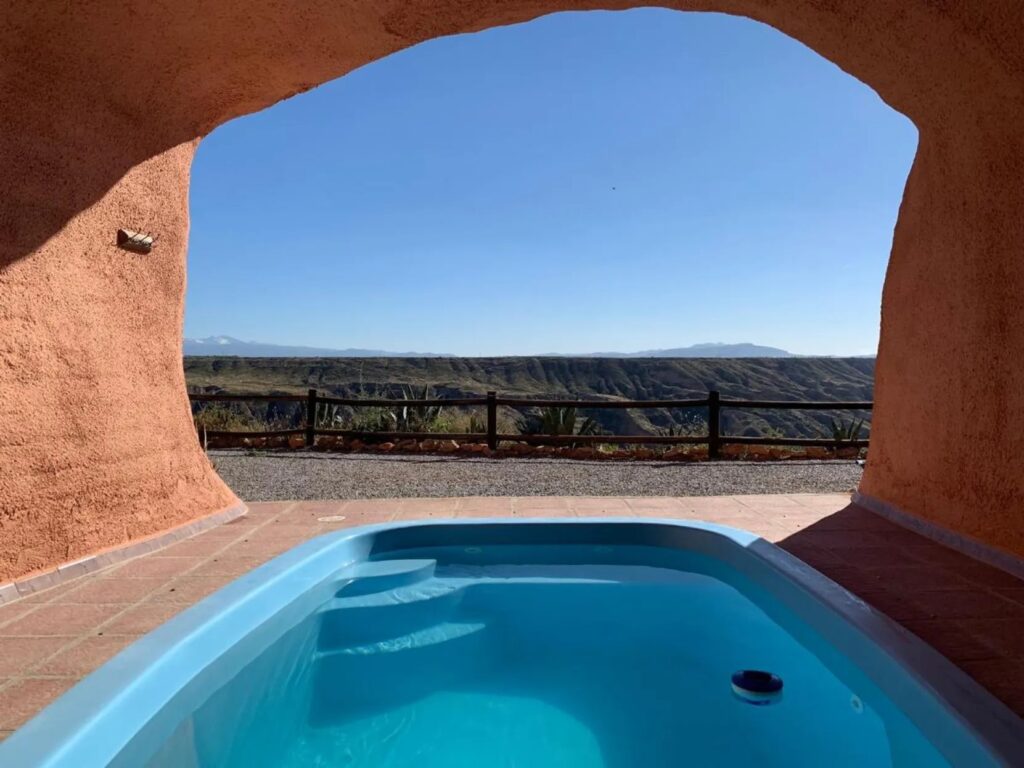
(306, 475)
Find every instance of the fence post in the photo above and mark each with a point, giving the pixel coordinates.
(492, 420)
(311, 418)
(714, 422)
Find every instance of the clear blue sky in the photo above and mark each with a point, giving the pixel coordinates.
(585, 182)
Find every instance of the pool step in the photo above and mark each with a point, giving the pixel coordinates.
(363, 619)
(446, 632)
(383, 575)
(391, 672)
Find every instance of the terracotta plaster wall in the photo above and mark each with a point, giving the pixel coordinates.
(97, 445)
(102, 106)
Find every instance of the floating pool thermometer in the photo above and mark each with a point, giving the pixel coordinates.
(757, 687)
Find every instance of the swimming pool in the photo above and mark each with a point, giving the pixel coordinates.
(595, 644)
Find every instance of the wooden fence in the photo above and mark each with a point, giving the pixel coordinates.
(714, 403)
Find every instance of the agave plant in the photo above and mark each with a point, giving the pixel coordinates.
(557, 420)
(329, 416)
(368, 418)
(415, 418)
(845, 432)
(683, 430)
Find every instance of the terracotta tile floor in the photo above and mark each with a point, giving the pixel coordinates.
(972, 613)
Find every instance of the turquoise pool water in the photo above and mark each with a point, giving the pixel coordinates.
(436, 662)
(591, 644)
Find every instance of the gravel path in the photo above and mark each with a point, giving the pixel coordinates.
(303, 476)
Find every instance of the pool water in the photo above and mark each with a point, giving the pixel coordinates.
(591, 657)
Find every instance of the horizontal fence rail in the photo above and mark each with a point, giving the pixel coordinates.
(521, 402)
(714, 403)
(467, 437)
(399, 402)
(797, 405)
(267, 433)
(220, 398)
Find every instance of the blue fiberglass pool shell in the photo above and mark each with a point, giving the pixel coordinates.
(592, 644)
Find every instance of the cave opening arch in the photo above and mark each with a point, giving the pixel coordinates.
(85, 328)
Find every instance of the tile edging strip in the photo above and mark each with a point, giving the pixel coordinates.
(19, 588)
(962, 543)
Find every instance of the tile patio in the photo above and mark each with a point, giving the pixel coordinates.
(969, 611)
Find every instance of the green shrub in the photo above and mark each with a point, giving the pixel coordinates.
(845, 432)
(217, 417)
(557, 420)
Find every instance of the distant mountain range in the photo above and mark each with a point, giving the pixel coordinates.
(226, 346)
(698, 350)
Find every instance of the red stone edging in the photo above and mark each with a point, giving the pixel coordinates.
(510, 448)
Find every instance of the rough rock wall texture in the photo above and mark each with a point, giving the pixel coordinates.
(103, 104)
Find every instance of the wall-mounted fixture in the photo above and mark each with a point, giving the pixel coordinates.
(137, 242)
